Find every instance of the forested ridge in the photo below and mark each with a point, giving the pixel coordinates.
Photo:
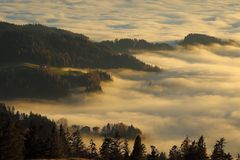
(48, 47)
(129, 46)
(45, 48)
(203, 39)
(33, 136)
(43, 45)
(35, 81)
(125, 45)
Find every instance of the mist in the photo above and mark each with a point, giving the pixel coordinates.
(198, 93)
(153, 20)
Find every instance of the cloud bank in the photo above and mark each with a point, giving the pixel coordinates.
(154, 20)
(199, 91)
(197, 94)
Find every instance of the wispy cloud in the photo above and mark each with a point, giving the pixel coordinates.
(122, 27)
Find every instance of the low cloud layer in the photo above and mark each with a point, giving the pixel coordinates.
(154, 20)
(197, 94)
(199, 91)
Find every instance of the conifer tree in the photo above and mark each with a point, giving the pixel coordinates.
(162, 156)
(53, 146)
(34, 145)
(138, 152)
(201, 149)
(175, 153)
(92, 150)
(105, 150)
(154, 154)
(116, 148)
(228, 156)
(11, 140)
(64, 146)
(191, 152)
(218, 151)
(126, 150)
(69, 140)
(78, 147)
(185, 148)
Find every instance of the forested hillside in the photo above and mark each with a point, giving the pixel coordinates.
(35, 81)
(34, 136)
(51, 46)
(203, 39)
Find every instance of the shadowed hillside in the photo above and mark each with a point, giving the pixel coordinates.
(51, 46)
(34, 81)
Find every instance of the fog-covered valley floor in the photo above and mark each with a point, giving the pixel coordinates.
(198, 93)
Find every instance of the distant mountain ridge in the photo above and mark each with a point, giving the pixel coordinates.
(203, 39)
(126, 44)
(39, 44)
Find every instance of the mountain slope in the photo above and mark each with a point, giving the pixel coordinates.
(51, 46)
(203, 39)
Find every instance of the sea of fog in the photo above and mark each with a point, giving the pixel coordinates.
(153, 20)
(198, 93)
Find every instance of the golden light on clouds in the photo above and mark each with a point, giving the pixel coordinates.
(154, 20)
(198, 93)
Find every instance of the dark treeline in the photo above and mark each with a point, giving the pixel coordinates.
(44, 82)
(109, 130)
(43, 45)
(203, 39)
(124, 131)
(124, 45)
(34, 136)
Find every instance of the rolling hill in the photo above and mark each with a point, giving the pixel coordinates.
(38, 44)
(203, 39)
(35, 81)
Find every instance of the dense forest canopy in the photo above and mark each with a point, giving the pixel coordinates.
(37, 81)
(125, 45)
(34, 136)
(128, 45)
(109, 130)
(43, 45)
(203, 39)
